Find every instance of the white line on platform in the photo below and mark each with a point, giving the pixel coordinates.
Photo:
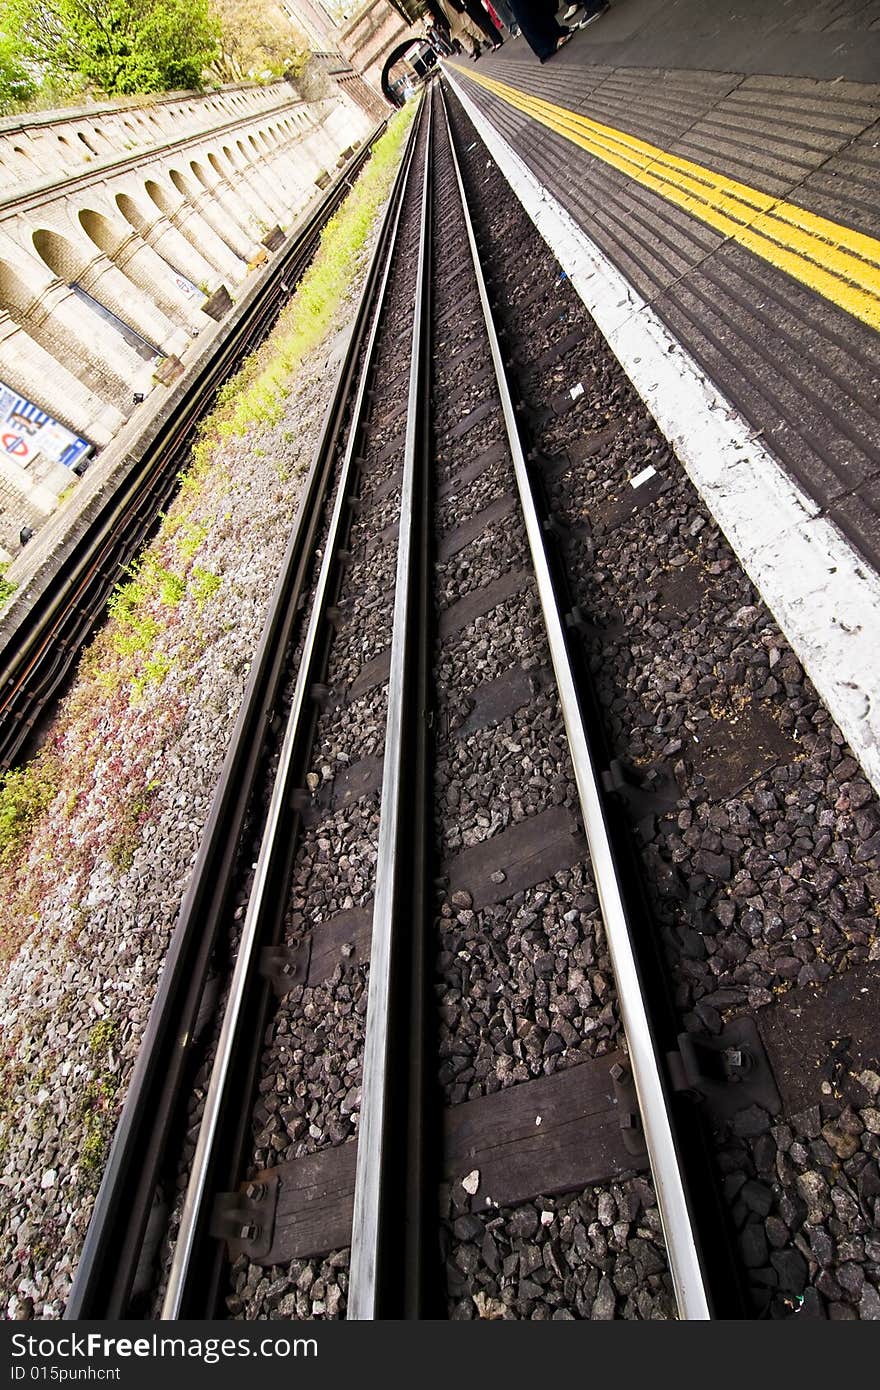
(825, 598)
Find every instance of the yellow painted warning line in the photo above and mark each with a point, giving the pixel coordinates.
(839, 263)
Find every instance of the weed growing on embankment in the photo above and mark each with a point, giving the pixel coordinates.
(256, 395)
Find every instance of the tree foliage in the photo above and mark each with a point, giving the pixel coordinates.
(17, 85)
(119, 46)
(256, 40)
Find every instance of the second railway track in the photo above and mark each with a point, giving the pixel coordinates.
(456, 1069)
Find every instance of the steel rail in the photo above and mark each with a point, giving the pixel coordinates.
(404, 738)
(686, 1258)
(41, 635)
(111, 1251)
(261, 902)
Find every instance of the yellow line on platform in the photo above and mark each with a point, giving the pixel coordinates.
(839, 263)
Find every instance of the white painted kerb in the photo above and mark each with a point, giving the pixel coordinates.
(825, 598)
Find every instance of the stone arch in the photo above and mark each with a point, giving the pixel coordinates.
(181, 183)
(63, 257)
(171, 246)
(131, 212)
(42, 377)
(108, 295)
(160, 196)
(213, 211)
(24, 292)
(393, 57)
(237, 198)
(199, 173)
(212, 248)
(20, 284)
(99, 230)
(261, 192)
(140, 264)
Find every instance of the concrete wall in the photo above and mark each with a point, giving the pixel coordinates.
(115, 249)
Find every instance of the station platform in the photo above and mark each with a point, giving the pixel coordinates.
(709, 178)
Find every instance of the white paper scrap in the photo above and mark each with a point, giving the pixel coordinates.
(642, 477)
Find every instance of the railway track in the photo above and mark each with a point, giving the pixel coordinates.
(41, 653)
(461, 1066)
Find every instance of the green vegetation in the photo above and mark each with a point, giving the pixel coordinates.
(130, 819)
(136, 608)
(191, 536)
(137, 626)
(256, 395)
(98, 1101)
(17, 85)
(91, 1153)
(204, 585)
(25, 793)
(257, 40)
(55, 51)
(101, 1036)
(116, 46)
(97, 1111)
(7, 588)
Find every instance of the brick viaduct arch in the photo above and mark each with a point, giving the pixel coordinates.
(102, 277)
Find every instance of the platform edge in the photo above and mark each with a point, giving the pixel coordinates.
(820, 591)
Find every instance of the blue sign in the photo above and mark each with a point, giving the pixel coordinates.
(27, 431)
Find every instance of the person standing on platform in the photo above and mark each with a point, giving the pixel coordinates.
(462, 29)
(537, 20)
(500, 10)
(592, 9)
(481, 18)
